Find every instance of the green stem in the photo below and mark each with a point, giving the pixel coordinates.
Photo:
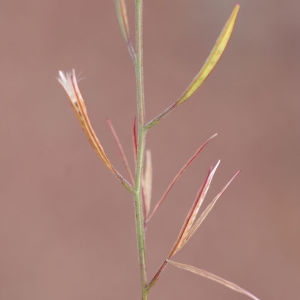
(139, 63)
(139, 217)
(155, 120)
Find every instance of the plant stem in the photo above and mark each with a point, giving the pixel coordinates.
(139, 63)
(139, 217)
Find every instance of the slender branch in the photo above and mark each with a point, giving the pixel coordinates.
(121, 150)
(155, 120)
(177, 176)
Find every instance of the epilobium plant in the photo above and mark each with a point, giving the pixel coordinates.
(139, 182)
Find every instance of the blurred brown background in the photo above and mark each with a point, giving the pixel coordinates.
(67, 226)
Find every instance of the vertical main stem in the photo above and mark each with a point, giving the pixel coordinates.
(139, 217)
(139, 63)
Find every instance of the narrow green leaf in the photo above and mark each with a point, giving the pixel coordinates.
(213, 57)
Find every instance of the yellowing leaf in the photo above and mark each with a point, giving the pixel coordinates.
(213, 57)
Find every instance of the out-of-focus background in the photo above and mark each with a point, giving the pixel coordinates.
(67, 226)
